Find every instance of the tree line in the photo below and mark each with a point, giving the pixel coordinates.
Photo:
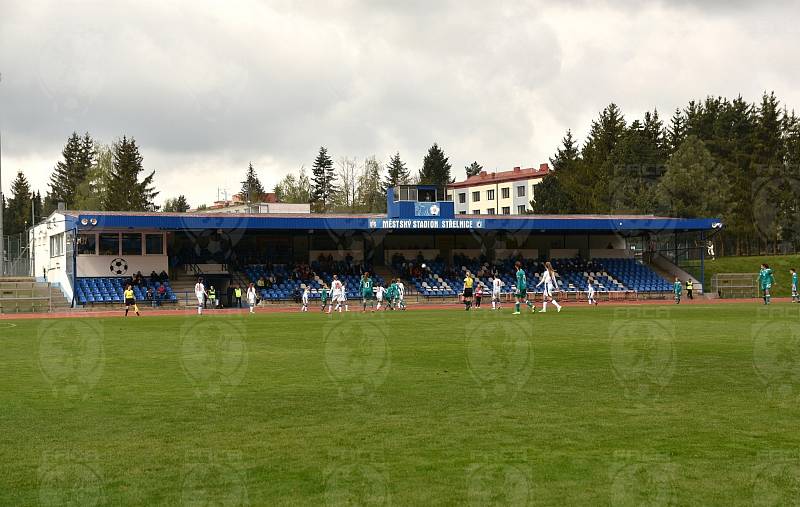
(718, 157)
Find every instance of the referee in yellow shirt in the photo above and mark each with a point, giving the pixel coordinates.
(467, 295)
(130, 300)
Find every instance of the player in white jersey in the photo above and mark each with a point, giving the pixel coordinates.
(550, 286)
(200, 293)
(336, 294)
(251, 297)
(304, 298)
(344, 297)
(497, 284)
(590, 293)
(379, 291)
(401, 294)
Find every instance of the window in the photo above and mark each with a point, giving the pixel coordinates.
(490, 195)
(521, 191)
(57, 245)
(505, 192)
(462, 212)
(476, 196)
(87, 244)
(462, 198)
(521, 209)
(506, 210)
(490, 211)
(131, 244)
(109, 244)
(476, 212)
(154, 244)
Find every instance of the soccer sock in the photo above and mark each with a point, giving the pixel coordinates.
(556, 304)
(516, 307)
(136, 309)
(126, 311)
(494, 305)
(528, 302)
(544, 306)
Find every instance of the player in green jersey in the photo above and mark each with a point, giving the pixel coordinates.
(392, 294)
(678, 288)
(366, 292)
(766, 279)
(521, 289)
(323, 296)
(795, 299)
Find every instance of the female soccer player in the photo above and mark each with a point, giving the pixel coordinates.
(323, 296)
(766, 279)
(590, 293)
(478, 295)
(366, 291)
(130, 300)
(305, 299)
(200, 294)
(550, 285)
(496, 286)
(522, 289)
(794, 285)
(678, 289)
(251, 297)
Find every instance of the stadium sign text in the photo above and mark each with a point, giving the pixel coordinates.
(426, 224)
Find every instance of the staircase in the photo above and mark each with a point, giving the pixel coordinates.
(26, 295)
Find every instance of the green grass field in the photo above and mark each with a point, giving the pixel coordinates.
(780, 265)
(652, 405)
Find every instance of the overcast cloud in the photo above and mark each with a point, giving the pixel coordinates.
(207, 87)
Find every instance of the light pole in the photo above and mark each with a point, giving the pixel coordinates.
(2, 205)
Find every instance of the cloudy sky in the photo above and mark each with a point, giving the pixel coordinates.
(206, 87)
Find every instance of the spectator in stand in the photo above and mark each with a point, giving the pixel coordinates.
(162, 293)
(149, 296)
(261, 283)
(163, 276)
(153, 276)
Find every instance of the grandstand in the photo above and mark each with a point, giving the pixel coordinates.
(90, 255)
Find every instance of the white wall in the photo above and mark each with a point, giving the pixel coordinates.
(45, 266)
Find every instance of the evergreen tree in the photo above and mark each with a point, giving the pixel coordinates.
(435, 169)
(90, 192)
(124, 191)
(177, 204)
(694, 184)
(676, 133)
(78, 156)
(473, 169)
(554, 195)
(604, 135)
(324, 182)
(17, 215)
(396, 173)
(252, 189)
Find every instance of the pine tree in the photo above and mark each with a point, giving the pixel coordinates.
(604, 135)
(435, 169)
(676, 133)
(67, 173)
(553, 195)
(125, 192)
(177, 204)
(473, 169)
(324, 179)
(252, 189)
(90, 192)
(17, 215)
(396, 173)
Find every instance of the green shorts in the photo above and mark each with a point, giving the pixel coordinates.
(521, 293)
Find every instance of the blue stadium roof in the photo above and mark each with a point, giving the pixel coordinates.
(629, 224)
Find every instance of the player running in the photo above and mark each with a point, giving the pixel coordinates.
(497, 285)
(200, 294)
(766, 279)
(522, 289)
(251, 297)
(550, 285)
(366, 292)
(795, 299)
(678, 288)
(304, 299)
(379, 292)
(590, 293)
(391, 295)
(130, 301)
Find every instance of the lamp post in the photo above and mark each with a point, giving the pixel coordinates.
(2, 205)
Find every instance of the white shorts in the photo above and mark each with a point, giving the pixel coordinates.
(200, 298)
(496, 295)
(547, 291)
(337, 298)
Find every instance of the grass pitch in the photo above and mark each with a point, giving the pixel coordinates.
(610, 405)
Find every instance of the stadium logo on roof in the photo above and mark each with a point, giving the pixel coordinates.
(373, 224)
